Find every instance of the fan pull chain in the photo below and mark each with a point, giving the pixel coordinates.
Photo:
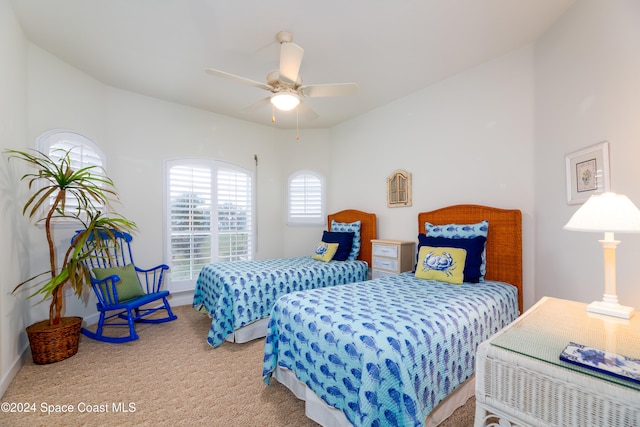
(255, 157)
(297, 134)
(273, 113)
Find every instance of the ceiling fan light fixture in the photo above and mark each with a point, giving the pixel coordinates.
(285, 101)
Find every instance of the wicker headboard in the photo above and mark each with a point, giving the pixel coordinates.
(368, 229)
(504, 240)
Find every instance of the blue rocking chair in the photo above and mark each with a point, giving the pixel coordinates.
(122, 288)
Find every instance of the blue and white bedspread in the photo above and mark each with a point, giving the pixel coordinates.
(237, 293)
(386, 351)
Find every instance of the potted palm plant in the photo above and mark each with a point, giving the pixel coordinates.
(61, 193)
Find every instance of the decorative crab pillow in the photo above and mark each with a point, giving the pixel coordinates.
(349, 227)
(462, 231)
(325, 251)
(474, 247)
(442, 264)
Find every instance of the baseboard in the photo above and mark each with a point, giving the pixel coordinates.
(91, 319)
(17, 364)
(181, 298)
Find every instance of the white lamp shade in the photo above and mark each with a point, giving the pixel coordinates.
(606, 212)
(285, 101)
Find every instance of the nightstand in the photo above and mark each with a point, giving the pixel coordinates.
(392, 257)
(521, 381)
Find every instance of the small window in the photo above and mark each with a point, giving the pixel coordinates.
(305, 199)
(83, 153)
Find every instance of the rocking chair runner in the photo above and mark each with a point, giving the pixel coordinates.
(121, 294)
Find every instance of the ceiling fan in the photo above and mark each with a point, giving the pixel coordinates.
(285, 84)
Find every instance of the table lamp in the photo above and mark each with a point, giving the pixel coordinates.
(608, 213)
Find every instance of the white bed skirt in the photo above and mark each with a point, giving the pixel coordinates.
(252, 331)
(317, 410)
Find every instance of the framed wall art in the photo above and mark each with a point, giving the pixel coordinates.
(587, 173)
(399, 189)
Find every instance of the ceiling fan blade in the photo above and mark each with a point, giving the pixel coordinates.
(290, 60)
(257, 105)
(306, 111)
(338, 89)
(238, 79)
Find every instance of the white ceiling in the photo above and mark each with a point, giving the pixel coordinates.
(161, 48)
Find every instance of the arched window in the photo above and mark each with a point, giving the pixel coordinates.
(83, 152)
(305, 198)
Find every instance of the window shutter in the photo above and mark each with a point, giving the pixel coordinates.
(83, 153)
(306, 199)
(190, 220)
(234, 215)
(209, 217)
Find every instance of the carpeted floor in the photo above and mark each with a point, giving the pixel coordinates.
(169, 377)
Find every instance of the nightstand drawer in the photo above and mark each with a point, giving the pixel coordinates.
(385, 250)
(385, 264)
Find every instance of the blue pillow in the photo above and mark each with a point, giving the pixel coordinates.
(344, 241)
(474, 247)
(457, 231)
(355, 228)
(461, 231)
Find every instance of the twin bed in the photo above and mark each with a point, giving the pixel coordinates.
(240, 295)
(397, 350)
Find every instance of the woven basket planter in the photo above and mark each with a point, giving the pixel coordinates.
(53, 344)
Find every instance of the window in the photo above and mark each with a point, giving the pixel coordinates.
(305, 199)
(209, 211)
(83, 153)
(234, 215)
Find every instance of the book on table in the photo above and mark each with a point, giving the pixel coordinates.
(602, 361)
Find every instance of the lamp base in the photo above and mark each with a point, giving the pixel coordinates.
(610, 309)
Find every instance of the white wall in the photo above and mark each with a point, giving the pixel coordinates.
(311, 152)
(60, 97)
(587, 69)
(14, 250)
(467, 139)
(144, 132)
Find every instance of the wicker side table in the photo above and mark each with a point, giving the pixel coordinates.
(520, 380)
